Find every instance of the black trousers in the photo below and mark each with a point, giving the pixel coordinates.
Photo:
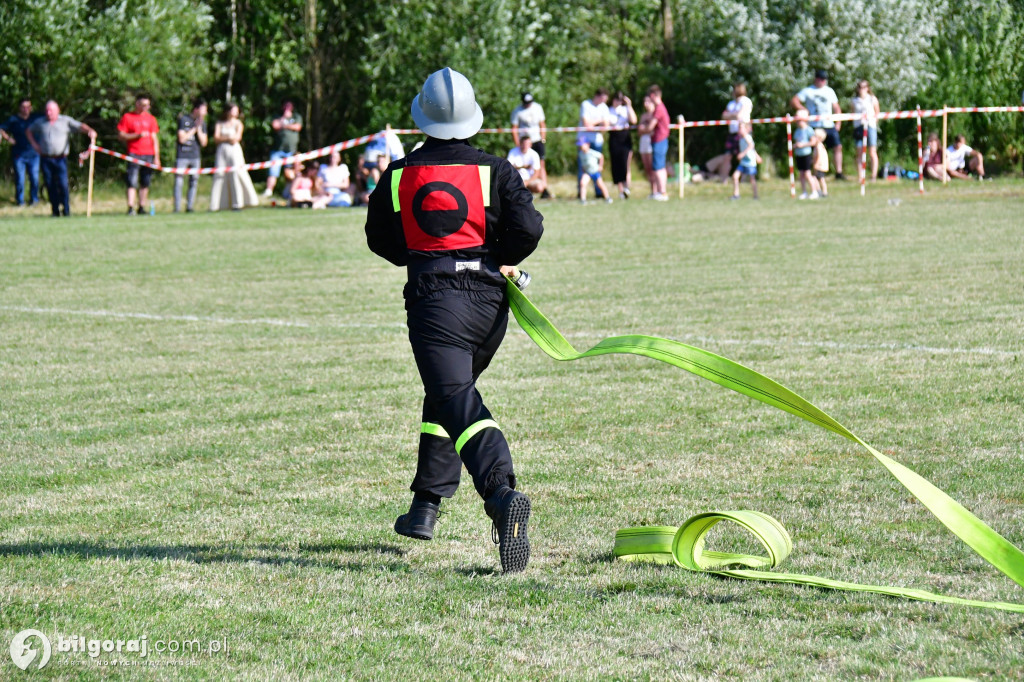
(620, 144)
(454, 335)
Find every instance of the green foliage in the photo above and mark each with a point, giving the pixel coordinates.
(94, 57)
(354, 66)
(980, 52)
(559, 51)
(775, 48)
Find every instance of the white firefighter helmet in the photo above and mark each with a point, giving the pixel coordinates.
(446, 107)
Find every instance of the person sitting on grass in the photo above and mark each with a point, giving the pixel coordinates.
(934, 160)
(962, 160)
(716, 168)
(527, 161)
(337, 182)
(748, 159)
(592, 163)
(307, 190)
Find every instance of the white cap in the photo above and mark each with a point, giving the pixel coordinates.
(446, 107)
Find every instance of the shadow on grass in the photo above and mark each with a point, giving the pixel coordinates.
(273, 555)
(473, 571)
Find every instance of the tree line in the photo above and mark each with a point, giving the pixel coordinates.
(353, 66)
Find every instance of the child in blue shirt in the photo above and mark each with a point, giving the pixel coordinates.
(748, 159)
(592, 163)
(804, 142)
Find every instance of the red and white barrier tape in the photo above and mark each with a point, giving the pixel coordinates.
(355, 142)
(305, 156)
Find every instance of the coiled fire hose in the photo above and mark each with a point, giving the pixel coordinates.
(684, 545)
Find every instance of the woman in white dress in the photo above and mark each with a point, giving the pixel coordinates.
(234, 188)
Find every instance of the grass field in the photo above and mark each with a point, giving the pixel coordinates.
(208, 425)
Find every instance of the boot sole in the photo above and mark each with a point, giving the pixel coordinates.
(514, 548)
(415, 532)
(414, 535)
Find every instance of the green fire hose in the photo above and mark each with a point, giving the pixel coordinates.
(684, 546)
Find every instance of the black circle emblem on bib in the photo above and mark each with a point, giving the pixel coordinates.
(440, 222)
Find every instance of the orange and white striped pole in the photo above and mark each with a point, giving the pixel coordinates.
(789, 150)
(864, 156)
(920, 152)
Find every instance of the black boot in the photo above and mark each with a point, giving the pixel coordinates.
(510, 512)
(419, 521)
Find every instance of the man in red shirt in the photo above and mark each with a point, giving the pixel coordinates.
(659, 142)
(139, 130)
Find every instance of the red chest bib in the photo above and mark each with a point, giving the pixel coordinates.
(442, 207)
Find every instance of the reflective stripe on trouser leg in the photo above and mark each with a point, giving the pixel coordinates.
(438, 467)
(484, 450)
(433, 430)
(472, 431)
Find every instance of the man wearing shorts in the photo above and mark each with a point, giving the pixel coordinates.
(659, 145)
(820, 100)
(139, 130)
(286, 127)
(528, 119)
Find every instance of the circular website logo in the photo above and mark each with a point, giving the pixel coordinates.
(23, 653)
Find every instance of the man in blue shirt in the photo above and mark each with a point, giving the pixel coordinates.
(23, 156)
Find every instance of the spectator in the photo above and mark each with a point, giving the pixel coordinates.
(191, 138)
(748, 159)
(934, 160)
(289, 174)
(527, 161)
(286, 128)
(644, 128)
(23, 156)
(820, 163)
(659, 145)
(720, 167)
(620, 142)
(962, 160)
(337, 182)
(820, 100)
(528, 119)
(307, 189)
(139, 130)
(231, 188)
(737, 111)
(594, 116)
(49, 138)
(592, 163)
(804, 142)
(380, 152)
(866, 104)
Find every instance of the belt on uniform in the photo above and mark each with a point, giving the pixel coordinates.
(452, 265)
